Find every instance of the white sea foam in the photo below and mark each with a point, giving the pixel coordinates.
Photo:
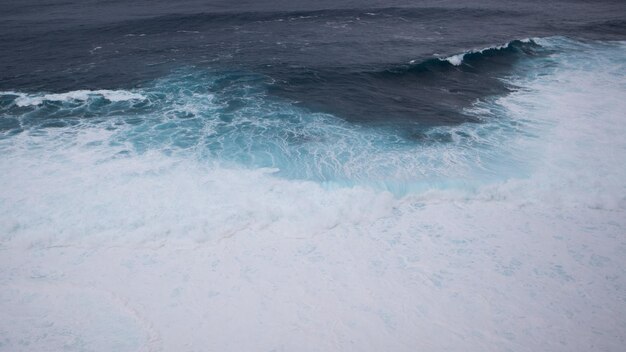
(76, 95)
(105, 247)
(455, 60)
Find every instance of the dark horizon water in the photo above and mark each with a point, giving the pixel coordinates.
(352, 59)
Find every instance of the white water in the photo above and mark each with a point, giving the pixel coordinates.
(77, 95)
(131, 251)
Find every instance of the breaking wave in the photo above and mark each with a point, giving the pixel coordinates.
(201, 190)
(512, 49)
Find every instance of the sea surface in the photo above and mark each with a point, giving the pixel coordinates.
(312, 175)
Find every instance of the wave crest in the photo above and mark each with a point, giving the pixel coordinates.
(514, 47)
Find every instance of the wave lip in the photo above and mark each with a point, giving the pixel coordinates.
(457, 60)
(503, 53)
(76, 95)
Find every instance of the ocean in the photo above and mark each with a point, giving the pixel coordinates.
(312, 176)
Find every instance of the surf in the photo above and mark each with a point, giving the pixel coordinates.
(183, 190)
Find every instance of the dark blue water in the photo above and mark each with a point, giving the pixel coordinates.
(348, 58)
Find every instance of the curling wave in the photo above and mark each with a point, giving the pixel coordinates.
(523, 47)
